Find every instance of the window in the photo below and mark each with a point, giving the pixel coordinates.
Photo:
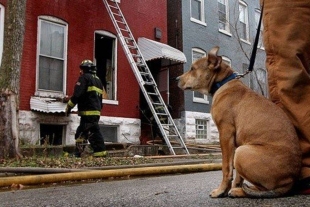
(1, 30)
(226, 60)
(110, 132)
(258, 81)
(243, 21)
(105, 59)
(51, 74)
(199, 97)
(245, 68)
(197, 11)
(51, 134)
(201, 129)
(257, 17)
(223, 15)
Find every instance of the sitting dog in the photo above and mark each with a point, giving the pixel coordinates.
(256, 136)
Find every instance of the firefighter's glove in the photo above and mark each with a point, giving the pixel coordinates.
(65, 99)
(68, 110)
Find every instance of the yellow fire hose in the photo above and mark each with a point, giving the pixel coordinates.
(100, 174)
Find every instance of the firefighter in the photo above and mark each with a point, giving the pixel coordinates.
(287, 45)
(87, 94)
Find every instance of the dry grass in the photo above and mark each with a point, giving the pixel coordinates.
(74, 163)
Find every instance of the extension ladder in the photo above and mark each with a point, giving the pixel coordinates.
(146, 81)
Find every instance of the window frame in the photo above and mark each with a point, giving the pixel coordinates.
(202, 20)
(203, 100)
(258, 81)
(246, 21)
(227, 24)
(226, 60)
(2, 11)
(45, 92)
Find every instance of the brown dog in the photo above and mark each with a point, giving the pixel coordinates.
(256, 136)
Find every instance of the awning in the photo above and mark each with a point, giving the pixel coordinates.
(48, 105)
(152, 50)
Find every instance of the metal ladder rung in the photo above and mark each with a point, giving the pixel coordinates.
(140, 64)
(128, 38)
(154, 94)
(167, 125)
(149, 83)
(162, 114)
(116, 14)
(144, 73)
(125, 30)
(114, 7)
(132, 46)
(120, 22)
(173, 135)
(158, 104)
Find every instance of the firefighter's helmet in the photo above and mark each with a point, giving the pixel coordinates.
(88, 66)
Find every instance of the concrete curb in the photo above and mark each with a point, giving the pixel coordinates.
(101, 174)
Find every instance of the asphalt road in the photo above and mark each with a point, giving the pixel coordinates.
(173, 190)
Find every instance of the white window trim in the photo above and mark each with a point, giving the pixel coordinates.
(260, 46)
(196, 99)
(201, 100)
(47, 93)
(1, 30)
(201, 21)
(227, 60)
(108, 34)
(226, 31)
(246, 22)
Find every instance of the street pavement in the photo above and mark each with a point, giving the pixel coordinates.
(179, 190)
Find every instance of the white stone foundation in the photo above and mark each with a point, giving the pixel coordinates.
(187, 127)
(129, 130)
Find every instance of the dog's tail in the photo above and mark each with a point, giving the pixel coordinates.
(260, 194)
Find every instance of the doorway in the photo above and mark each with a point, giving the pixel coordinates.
(105, 62)
(161, 77)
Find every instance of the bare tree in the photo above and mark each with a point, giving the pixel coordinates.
(14, 28)
(257, 82)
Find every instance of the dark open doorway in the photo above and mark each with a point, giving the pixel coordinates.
(104, 55)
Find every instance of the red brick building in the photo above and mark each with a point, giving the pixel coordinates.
(59, 34)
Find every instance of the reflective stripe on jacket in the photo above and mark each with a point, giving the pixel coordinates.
(88, 95)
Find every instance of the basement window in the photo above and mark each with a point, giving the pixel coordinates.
(109, 133)
(51, 134)
(201, 129)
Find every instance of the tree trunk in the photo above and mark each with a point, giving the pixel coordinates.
(14, 28)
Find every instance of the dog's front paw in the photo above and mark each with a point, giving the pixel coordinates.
(218, 193)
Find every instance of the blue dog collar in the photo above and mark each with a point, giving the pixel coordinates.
(219, 84)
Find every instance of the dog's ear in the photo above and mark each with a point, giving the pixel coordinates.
(213, 58)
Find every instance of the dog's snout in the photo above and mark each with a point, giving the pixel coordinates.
(177, 78)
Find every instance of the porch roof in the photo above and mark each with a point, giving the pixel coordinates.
(152, 50)
(48, 105)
